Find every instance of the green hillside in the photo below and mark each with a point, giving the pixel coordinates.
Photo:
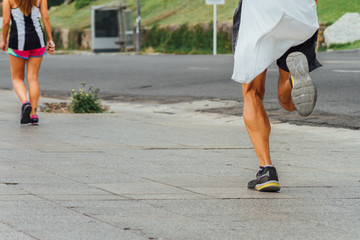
(331, 10)
(67, 16)
(165, 12)
(175, 12)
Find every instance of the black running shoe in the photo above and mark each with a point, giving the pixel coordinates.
(34, 120)
(25, 113)
(267, 181)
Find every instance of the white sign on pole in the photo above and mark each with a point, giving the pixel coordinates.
(215, 2)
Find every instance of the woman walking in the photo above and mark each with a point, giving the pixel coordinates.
(26, 46)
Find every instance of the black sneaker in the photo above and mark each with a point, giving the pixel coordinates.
(34, 120)
(267, 181)
(25, 113)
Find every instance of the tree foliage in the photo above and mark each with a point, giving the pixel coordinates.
(52, 3)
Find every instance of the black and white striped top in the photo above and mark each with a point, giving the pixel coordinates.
(26, 32)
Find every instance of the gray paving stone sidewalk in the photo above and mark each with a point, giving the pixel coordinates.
(168, 172)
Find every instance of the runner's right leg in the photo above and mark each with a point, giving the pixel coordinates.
(17, 66)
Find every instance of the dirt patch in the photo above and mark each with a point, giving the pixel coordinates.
(277, 114)
(63, 107)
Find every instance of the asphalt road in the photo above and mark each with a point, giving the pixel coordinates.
(172, 78)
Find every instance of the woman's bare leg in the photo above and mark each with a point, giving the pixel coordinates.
(284, 91)
(17, 66)
(33, 68)
(256, 119)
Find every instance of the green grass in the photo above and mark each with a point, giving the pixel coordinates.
(331, 10)
(177, 12)
(344, 46)
(170, 12)
(66, 16)
(340, 46)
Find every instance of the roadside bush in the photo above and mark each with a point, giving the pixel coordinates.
(196, 39)
(85, 101)
(57, 38)
(74, 39)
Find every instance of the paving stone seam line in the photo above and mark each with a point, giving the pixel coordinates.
(115, 194)
(133, 230)
(19, 230)
(112, 193)
(180, 214)
(148, 179)
(73, 180)
(184, 189)
(152, 205)
(152, 180)
(58, 175)
(62, 176)
(92, 217)
(84, 214)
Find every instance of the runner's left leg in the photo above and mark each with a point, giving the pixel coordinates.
(256, 119)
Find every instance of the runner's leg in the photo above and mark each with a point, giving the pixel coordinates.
(284, 91)
(256, 119)
(32, 77)
(17, 67)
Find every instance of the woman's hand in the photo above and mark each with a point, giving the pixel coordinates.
(4, 46)
(50, 47)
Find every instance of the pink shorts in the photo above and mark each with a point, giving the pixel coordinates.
(26, 54)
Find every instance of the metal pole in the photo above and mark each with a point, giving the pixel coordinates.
(138, 27)
(215, 30)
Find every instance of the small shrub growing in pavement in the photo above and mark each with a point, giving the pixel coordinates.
(85, 101)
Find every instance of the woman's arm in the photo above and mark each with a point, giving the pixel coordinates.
(6, 24)
(46, 20)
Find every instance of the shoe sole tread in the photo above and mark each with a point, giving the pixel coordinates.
(304, 92)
